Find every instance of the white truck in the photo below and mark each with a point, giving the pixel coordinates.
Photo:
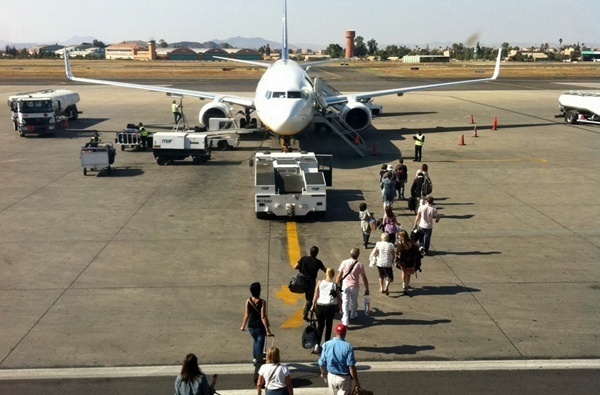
(578, 107)
(38, 112)
(170, 146)
(291, 184)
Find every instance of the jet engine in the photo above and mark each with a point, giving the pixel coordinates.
(214, 110)
(356, 115)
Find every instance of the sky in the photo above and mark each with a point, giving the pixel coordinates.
(321, 22)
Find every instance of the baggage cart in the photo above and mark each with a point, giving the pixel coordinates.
(96, 158)
(129, 138)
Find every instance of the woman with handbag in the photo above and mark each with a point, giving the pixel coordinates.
(407, 254)
(258, 323)
(390, 224)
(326, 302)
(273, 376)
(383, 256)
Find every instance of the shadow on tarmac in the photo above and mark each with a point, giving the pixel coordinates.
(404, 349)
(466, 252)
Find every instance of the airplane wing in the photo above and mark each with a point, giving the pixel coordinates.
(339, 99)
(239, 100)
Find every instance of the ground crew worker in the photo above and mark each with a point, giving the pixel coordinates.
(419, 141)
(143, 135)
(176, 113)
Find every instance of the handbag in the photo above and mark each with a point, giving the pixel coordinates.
(309, 336)
(298, 284)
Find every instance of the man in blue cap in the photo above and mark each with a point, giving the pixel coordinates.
(337, 360)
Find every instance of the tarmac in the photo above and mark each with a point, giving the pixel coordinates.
(152, 262)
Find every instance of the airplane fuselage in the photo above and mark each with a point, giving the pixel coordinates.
(285, 98)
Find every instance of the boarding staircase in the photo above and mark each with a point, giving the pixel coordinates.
(331, 118)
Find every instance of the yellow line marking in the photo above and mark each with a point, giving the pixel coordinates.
(293, 247)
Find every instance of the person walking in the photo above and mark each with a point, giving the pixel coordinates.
(365, 223)
(390, 224)
(309, 266)
(384, 252)
(401, 173)
(419, 141)
(326, 302)
(337, 361)
(175, 108)
(191, 380)
(424, 220)
(258, 323)
(349, 274)
(388, 189)
(274, 376)
(407, 253)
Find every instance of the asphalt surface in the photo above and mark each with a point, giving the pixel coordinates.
(150, 263)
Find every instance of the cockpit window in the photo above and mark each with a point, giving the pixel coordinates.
(278, 95)
(294, 95)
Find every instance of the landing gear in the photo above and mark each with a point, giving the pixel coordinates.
(285, 142)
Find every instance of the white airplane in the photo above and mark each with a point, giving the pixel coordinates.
(286, 97)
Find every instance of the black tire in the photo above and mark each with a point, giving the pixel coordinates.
(223, 145)
(571, 117)
(84, 171)
(74, 114)
(162, 161)
(122, 147)
(21, 133)
(262, 215)
(108, 170)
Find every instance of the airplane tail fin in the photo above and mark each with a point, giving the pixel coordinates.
(284, 47)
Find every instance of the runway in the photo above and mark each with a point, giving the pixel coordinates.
(142, 267)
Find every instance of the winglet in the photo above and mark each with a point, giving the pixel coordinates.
(67, 65)
(497, 69)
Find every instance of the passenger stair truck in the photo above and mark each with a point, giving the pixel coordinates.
(291, 184)
(38, 112)
(578, 107)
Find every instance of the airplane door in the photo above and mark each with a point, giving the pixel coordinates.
(326, 166)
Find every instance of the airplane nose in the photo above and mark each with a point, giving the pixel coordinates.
(288, 120)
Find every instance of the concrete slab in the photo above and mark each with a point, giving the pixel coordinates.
(154, 262)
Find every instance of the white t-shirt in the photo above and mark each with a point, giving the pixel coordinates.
(278, 379)
(428, 214)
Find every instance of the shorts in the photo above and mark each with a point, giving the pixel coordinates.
(385, 272)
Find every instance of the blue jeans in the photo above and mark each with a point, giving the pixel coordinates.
(259, 341)
(425, 238)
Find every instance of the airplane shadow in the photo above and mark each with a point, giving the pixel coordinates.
(122, 172)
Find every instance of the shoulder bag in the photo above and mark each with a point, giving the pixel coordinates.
(340, 285)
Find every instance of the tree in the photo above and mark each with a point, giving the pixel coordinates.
(99, 44)
(372, 44)
(360, 49)
(334, 50)
(268, 50)
(162, 43)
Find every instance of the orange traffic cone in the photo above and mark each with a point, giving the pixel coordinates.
(471, 120)
(475, 132)
(495, 124)
(357, 139)
(374, 150)
(462, 140)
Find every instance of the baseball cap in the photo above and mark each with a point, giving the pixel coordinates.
(340, 329)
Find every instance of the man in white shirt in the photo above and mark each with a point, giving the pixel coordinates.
(424, 221)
